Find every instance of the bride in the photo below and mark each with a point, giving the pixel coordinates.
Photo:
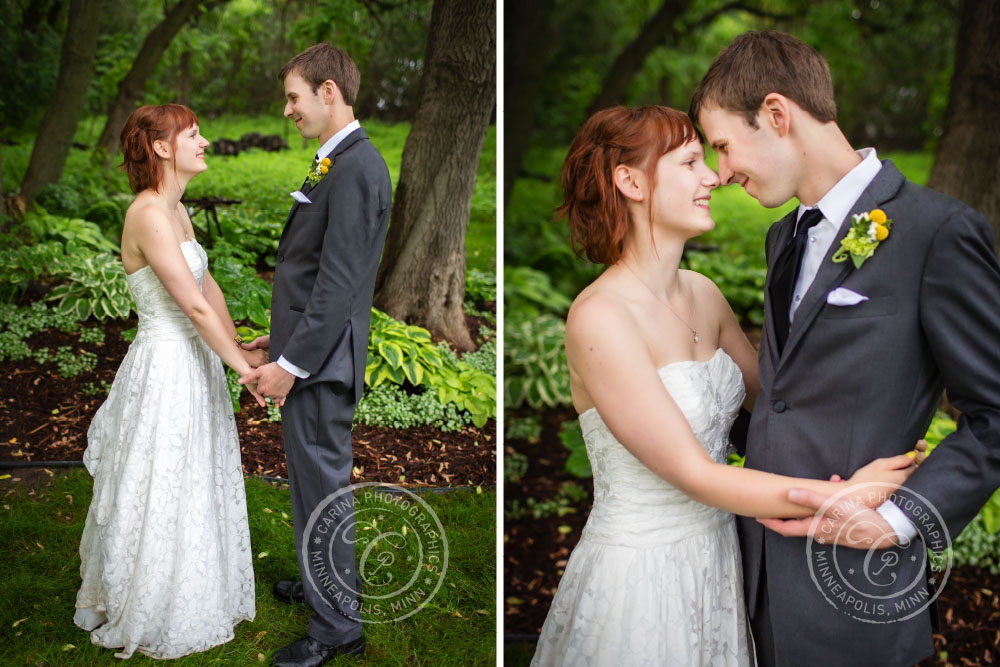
(165, 555)
(659, 367)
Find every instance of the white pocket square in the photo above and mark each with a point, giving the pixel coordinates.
(299, 197)
(844, 297)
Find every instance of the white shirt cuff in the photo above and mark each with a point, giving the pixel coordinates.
(303, 374)
(903, 527)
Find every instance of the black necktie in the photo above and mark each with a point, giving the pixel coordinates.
(786, 274)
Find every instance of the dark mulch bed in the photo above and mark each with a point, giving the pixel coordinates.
(44, 417)
(535, 553)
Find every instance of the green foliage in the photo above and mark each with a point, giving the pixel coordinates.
(571, 436)
(391, 406)
(234, 387)
(977, 545)
(97, 288)
(74, 232)
(741, 284)
(71, 364)
(480, 288)
(19, 324)
(22, 264)
(92, 335)
(529, 292)
(535, 367)
(101, 389)
(515, 466)
(247, 296)
(570, 494)
(399, 353)
(523, 428)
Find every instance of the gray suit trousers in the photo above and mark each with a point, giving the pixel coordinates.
(316, 426)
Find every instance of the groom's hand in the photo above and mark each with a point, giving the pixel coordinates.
(258, 343)
(844, 522)
(272, 380)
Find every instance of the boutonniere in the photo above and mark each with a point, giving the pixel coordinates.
(319, 169)
(867, 231)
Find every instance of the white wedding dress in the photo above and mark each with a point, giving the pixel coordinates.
(655, 578)
(165, 557)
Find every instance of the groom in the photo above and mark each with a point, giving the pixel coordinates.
(853, 359)
(320, 317)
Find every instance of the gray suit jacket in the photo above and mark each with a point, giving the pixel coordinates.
(327, 259)
(862, 382)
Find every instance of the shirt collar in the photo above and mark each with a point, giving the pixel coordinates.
(333, 141)
(837, 202)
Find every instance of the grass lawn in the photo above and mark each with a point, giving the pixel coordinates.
(40, 535)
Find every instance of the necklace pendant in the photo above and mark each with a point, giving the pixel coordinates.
(696, 337)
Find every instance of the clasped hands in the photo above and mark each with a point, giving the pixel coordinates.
(266, 380)
(851, 520)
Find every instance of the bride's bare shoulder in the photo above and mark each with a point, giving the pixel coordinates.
(601, 306)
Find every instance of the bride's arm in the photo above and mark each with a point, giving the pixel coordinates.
(156, 241)
(606, 352)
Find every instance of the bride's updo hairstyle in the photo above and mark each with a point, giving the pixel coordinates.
(596, 210)
(148, 124)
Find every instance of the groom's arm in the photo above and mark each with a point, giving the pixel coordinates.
(960, 315)
(353, 207)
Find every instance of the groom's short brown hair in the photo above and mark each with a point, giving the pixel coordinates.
(756, 64)
(324, 61)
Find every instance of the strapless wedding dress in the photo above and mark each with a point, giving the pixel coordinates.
(165, 556)
(655, 578)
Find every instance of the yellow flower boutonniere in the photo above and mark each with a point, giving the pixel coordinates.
(319, 169)
(867, 231)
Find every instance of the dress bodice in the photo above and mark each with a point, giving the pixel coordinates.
(160, 318)
(634, 506)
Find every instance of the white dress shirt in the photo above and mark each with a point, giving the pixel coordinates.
(835, 206)
(323, 151)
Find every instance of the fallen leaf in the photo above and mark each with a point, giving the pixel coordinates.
(19, 622)
(68, 647)
(262, 555)
(4, 476)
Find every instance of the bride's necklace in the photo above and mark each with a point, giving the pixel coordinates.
(697, 338)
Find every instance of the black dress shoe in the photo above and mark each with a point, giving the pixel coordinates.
(289, 591)
(308, 652)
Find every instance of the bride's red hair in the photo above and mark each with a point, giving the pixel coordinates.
(595, 209)
(147, 124)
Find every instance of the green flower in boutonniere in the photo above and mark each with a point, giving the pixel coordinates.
(867, 231)
(319, 170)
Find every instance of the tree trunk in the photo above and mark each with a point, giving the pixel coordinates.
(52, 143)
(653, 34)
(967, 165)
(130, 88)
(528, 24)
(421, 278)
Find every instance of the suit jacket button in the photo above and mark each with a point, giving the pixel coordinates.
(779, 406)
(281, 258)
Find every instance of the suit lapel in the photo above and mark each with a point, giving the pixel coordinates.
(831, 274)
(787, 227)
(348, 141)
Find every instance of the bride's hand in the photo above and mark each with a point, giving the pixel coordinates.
(880, 478)
(252, 388)
(256, 357)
